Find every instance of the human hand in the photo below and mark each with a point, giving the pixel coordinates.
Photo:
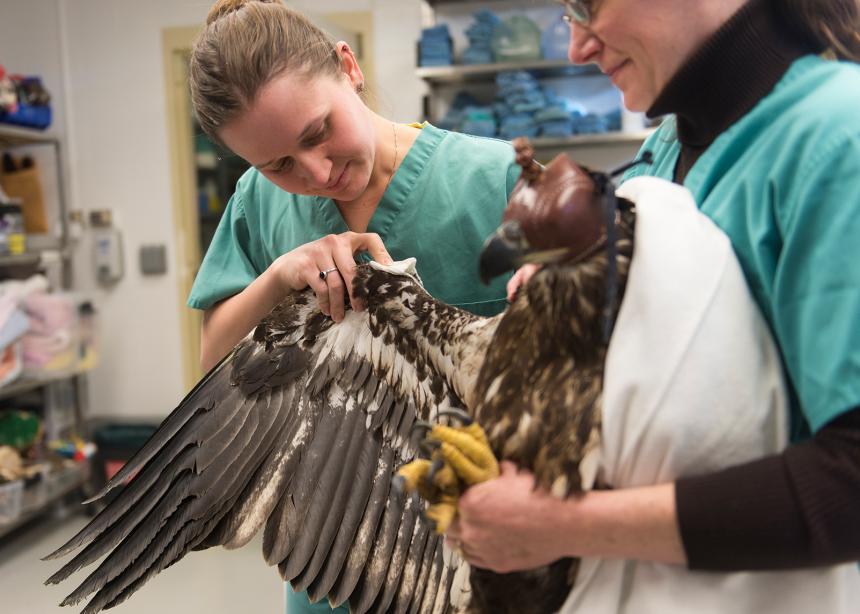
(506, 525)
(521, 278)
(301, 268)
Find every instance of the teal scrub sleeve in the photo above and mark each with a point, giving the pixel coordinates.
(227, 268)
(817, 287)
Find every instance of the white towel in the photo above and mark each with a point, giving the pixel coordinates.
(693, 383)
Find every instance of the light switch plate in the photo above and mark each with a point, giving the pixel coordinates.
(153, 259)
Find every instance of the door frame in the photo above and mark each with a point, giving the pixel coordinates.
(176, 48)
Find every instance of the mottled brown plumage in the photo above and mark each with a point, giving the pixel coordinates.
(300, 429)
(540, 403)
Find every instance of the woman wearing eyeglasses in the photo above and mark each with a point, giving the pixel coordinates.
(764, 130)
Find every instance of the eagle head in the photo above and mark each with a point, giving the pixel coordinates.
(554, 213)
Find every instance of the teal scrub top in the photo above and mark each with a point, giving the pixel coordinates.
(444, 200)
(447, 196)
(783, 183)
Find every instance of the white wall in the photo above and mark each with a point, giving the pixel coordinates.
(109, 54)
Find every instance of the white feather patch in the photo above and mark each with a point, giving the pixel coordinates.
(589, 466)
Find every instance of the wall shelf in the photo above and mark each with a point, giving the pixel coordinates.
(11, 136)
(26, 384)
(32, 257)
(438, 75)
(518, 5)
(592, 140)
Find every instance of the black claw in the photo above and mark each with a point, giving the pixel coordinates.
(428, 447)
(435, 467)
(457, 414)
(423, 513)
(421, 425)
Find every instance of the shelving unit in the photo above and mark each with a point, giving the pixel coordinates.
(61, 397)
(598, 149)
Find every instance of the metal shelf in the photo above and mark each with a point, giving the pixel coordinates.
(32, 258)
(66, 481)
(25, 259)
(518, 5)
(487, 72)
(26, 384)
(11, 136)
(592, 140)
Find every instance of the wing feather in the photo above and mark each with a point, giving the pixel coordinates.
(432, 582)
(366, 537)
(300, 494)
(385, 564)
(446, 581)
(427, 562)
(326, 499)
(298, 430)
(414, 560)
(338, 578)
(340, 529)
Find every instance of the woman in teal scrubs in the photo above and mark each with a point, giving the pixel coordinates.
(764, 97)
(330, 179)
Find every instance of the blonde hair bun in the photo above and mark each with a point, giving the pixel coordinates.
(244, 45)
(225, 7)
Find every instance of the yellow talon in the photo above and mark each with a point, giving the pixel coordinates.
(468, 451)
(466, 459)
(443, 514)
(447, 482)
(413, 474)
(471, 473)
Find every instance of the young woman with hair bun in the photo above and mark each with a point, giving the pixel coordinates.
(330, 180)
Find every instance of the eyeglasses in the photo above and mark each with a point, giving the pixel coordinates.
(578, 11)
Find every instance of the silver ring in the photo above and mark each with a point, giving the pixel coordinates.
(324, 274)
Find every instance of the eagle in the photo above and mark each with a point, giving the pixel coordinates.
(300, 430)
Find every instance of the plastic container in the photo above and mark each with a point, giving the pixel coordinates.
(12, 237)
(51, 346)
(10, 501)
(517, 39)
(28, 116)
(116, 443)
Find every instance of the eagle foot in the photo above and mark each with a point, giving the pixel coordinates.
(461, 457)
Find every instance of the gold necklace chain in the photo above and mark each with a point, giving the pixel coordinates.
(393, 166)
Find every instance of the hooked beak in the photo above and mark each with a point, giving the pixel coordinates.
(507, 249)
(503, 251)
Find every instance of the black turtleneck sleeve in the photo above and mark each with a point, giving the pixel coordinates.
(792, 510)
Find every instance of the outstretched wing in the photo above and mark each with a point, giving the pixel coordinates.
(300, 428)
